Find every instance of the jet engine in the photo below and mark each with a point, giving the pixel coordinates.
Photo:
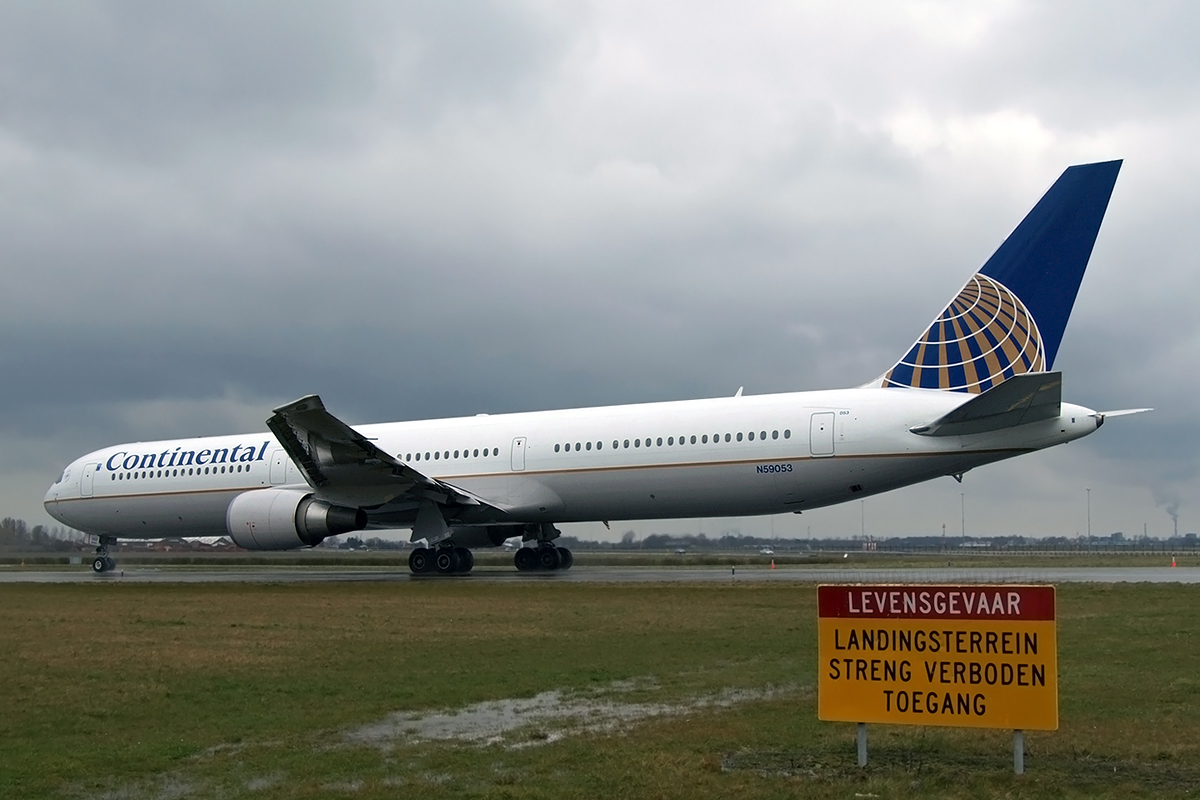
(280, 519)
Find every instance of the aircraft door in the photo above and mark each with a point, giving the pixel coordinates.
(85, 479)
(518, 454)
(820, 434)
(278, 467)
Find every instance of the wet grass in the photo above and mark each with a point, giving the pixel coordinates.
(184, 691)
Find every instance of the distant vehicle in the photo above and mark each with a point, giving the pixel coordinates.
(766, 551)
(975, 388)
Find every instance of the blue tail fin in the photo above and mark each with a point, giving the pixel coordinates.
(1010, 317)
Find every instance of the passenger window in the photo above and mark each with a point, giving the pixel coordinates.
(589, 445)
(670, 441)
(762, 435)
(578, 447)
(437, 456)
(456, 454)
(787, 434)
(627, 443)
(774, 434)
(599, 445)
(659, 441)
(557, 448)
(693, 440)
(749, 436)
(739, 437)
(637, 442)
(704, 439)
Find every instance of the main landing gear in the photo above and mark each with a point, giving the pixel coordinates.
(442, 560)
(543, 557)
(103, 562)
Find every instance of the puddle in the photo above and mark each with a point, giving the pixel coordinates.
(513, 723)
(544, 718)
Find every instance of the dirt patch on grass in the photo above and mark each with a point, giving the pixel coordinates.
(544, 718)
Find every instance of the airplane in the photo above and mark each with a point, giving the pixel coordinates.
(976, 387)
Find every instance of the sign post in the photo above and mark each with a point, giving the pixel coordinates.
(972, 656)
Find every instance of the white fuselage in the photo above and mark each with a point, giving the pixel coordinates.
(739, 456)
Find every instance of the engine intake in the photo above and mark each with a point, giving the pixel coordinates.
(282, 519)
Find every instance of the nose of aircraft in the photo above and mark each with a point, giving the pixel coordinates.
(50, 503)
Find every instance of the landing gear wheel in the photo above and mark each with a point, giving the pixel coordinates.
(445, 561)
(420, 561)
(565, 558)
(525, 559)
(102, 562)
(548, 558)
(466, 559)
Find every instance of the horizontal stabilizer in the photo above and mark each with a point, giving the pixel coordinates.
(1124, 412)
(1031, 397)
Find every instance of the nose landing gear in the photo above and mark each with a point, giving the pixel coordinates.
(103, 562)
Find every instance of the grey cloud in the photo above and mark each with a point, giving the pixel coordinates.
(424, 211)
(138, 79)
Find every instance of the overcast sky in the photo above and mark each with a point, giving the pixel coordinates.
(434, 209)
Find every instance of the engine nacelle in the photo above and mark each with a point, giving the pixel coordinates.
(281, 519)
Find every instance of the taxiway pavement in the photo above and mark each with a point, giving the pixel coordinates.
(585, 574)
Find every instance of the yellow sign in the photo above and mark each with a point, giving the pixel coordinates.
(976, 656)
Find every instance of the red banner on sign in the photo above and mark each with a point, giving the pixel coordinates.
(937, 602)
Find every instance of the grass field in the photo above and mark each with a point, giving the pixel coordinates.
(616, 690)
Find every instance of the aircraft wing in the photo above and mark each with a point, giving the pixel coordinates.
(1021, 399)
(343, 465)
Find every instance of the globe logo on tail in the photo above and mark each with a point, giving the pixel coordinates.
(985, 336)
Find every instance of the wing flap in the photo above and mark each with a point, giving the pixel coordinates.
(342, 464)
(1021, 399)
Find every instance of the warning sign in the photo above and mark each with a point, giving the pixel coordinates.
(977, 656)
